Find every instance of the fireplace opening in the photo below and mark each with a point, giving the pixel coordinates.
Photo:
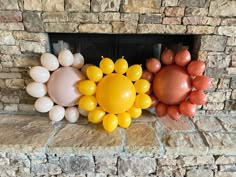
(136, 48)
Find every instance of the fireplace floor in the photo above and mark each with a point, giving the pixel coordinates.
(147, 136)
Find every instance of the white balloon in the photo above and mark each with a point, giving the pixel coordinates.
(49, 61)
(65, 58)
(36, 89)
(72, 114)
(83, 112)
(43, 104)
(57, 113)
(39, 74)
(78, 60)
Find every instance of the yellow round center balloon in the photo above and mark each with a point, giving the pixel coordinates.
(115, 93)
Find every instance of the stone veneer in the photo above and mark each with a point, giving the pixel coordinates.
(204, 146)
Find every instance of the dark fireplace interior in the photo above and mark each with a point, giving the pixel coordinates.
(136, 48)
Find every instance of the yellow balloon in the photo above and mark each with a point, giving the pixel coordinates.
(124, 120)
(110, 122)
(86, 87)
(121, 66)
(94, 73)
(115, 93)
(142, 86)
(88, 103)
(134, 72)
(135, 112)
(96, 115)
(143, 101)
(106, 65)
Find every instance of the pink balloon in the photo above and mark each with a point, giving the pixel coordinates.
(62, 86)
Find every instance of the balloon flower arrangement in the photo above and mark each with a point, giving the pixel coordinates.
(177, 86)
(112, 93)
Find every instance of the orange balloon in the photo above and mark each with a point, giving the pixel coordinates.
(172, 84)
(183, 57)
(187, 108)
(154, 101)
(196, 68)
(167, 57)
(202, 82)
(153, 65)
(173, 112)
(198, 97)
(161, 109)
(147, 75)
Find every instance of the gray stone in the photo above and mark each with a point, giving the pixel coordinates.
(129, 17)
(105, 5)
(193, 3)
(227, 30)
(207, 123)
(7, 171)
(53, 5)
(224, 84)
(33, 5)
(228, 21)
(169, 2)
(26, 36)
(26, 61)
(148, 6)
(32, 21)
(10, 50)
(33, 47)
(136, 166)
(175, 29)
(195, 11)
(233, 82)
(213, 106)
(9, 5)
(124, 27)
(222, 8)
(217, 60)
(215, 72)
(187, 161)
(6, 38)
(216, 96)
(83, 17)
(10, 16)
(233, 95)
(10, 75)
(200, 173)
(76, 164)
(15, 83)
(107, 17)
(230, 105)
(46, 169)
(225, 174)
(79, 6)
(213, 43)
(12, 26)
(95, 28)
(194, 20)
(228, 167)
(150, 18)
(7, 64)
(167, 161)
(231, 41)
(224, 160)
(174, 11)
(61, 27)
(106, 164)
(165, 171)
(200, 29)
(10, 107)
(10, 99)
(230, 50)
(26, 107)
(55, 17)
(150, 28)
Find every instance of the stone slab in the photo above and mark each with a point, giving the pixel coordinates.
(207, 123)
(86, 139)
(141, 139)
(222, 8)
(228, 123)
(22, 133)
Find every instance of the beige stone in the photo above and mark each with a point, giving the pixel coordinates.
(61, 27)
(83, 17)
(200, 173)
(11, 108)
(74, 138)
(196, 160)
(26, 61)
(26, 108)
(55, 17)
(148, 6)
(172, 20)
(216, 96)
(207, 123)
(222, 8)
(109, 17)
(228, 21)
(6, 38)
(231, 41)
(213, 106)
(141, 139)
(174, 11)
(151, 28)
(184, 144)
(79, 6)
(10, 50)
(9, 5)
(227, 30)
(129, 17)
(223, 84)
(15, 83)
(225, 174)
(10, 16)
(7, 64)
(105, 5)
(169, 2)
(195, 11)
(21, 133)
(124, 27)
(53, 5)
(231, 70)
(233, 95)
(95, 28)
(195, 20)
(146, 116)
(23, 35)
(224, 160)
(10, 75)
(33, 5)
(175, 29)
(229, 123)
(221, 143)
(12, 26)
(34, 47)
(10, 99)
(200, 29)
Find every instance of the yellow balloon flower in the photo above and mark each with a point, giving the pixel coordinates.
(142, 86)
(134, 72)
(88, 103)
(124, 119)
(143, 101)
(110, 122)
(87, 87)
(96, 115)
(135, 112)
(106, 65)
(94, 73)
(121, 66)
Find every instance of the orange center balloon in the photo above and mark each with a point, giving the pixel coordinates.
(115, 93)
(172, 84)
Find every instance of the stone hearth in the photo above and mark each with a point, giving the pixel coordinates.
(30, 145)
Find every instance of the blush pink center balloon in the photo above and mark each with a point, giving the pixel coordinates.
(172, 84)
(62, 86)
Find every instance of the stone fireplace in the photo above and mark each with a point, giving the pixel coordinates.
(30, 145)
